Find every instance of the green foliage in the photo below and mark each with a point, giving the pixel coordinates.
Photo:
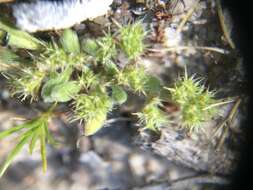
(106, 49)
(92, 108)
(92, 125)
(8, 57)
(119, 96)
(35, 131)
(59, 88)
(137, 79)
(70, 42)
(102, 49)
(88, 79)
(26, 83)
(153, 86)
(151, 115)
(88, 76)
(63, 71)
(193, 99)
(23, 140)
(59, 91)
(20, 39)
(55, 57)
(131, 39)
(90, 46)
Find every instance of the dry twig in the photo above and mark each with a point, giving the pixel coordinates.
(186, 182)
(223, 25)
(225, 126)
(187, 16)
(199, 179)
(177, 48)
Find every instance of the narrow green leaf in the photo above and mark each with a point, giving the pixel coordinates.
(20, 39)
(69, 41)
(33, 141)
(12, 130)
(13, 153)
(8, 132)
(119, 96)
(36, 131)
(29, 132)
(43, 148)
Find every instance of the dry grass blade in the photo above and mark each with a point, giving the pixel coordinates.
(187, 16)
(178, 48)
(227, 123)
(6, 1)
(223, 25)
(219, 104)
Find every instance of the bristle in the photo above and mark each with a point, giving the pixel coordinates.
(40, 15)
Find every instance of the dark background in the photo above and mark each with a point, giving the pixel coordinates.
(241, 12)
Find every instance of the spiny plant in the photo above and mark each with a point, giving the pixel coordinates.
(83, 73)
(92, 108)
(79, 72)
(26, 83)
(152, 117)
(132, 37)
(134, 77)
(194, 101)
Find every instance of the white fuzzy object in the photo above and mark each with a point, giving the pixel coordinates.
(172, 37)
(40, 15)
